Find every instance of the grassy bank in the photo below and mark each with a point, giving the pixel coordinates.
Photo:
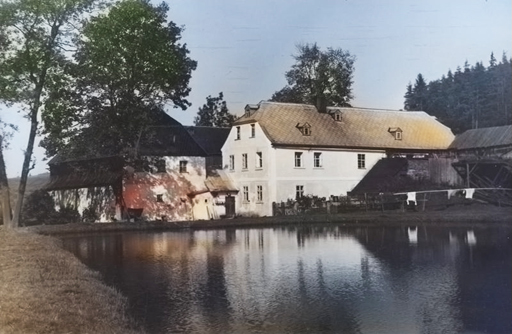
(44, 289)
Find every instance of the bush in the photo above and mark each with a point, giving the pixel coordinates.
(66, 215)
(39, 208)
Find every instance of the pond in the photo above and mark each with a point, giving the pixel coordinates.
(310, 278)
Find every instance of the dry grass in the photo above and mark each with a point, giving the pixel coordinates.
(44, 289)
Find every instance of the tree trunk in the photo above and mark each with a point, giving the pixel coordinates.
(5, 201)
(26, 162)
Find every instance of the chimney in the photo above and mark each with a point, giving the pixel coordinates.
(321, 104)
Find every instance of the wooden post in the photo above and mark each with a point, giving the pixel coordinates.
(467, 175)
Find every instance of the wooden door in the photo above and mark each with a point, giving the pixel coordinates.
(229, 205)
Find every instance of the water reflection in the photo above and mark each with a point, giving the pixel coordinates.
(311, 279)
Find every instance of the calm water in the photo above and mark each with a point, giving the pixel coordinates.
(311, 279)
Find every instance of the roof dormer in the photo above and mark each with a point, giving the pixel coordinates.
(250, 109)
(305, 129)
(396, 132)
(336, 115)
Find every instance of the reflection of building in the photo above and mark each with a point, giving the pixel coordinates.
(281, 151)
(172, 176)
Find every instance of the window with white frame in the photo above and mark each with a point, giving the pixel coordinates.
(259, 193)
(232, 162)
(317, 159)
(245, 193)
(237, 133)
(361, 161)
(298, 159)
(259, 160)
(244, 161)
(253, 130)
(299, 191)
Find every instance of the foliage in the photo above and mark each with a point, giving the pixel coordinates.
(67, 215)
(214, 113)
(34, 35)
(472, 97)
(321, 78)
(39, 208)
(89, 215)
(128, 65)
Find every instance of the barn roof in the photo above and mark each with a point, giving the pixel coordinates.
(283, 124)
(208, 138)
(483, 138)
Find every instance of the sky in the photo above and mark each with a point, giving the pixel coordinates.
(243, 48)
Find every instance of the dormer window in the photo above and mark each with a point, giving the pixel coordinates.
(336, 115)
(396, 132)
(250, 109)
(305, 129)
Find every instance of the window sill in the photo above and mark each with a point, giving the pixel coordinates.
(299, 167)
(318, 167)
(258, 168)
(259, 202)
(245, 169)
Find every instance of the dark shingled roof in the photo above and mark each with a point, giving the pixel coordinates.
(209, 139)
(380, 177)
(83, 180)
(169, 141)
(483, 138)
(364, 128)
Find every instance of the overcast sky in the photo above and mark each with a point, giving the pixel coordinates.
(244, 48)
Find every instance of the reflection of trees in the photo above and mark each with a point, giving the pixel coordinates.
(485, 282)
(279, 280)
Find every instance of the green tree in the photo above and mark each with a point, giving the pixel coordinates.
(214, 113)
(128, 65)
(416, 96)
(34, 35)
(472, 97)
(321, 78)
(39, 208)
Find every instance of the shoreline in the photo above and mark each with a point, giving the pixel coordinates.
(476, 213)
(46, 289)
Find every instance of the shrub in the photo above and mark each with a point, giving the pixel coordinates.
(39, 208)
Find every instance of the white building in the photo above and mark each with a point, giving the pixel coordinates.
(278, 151)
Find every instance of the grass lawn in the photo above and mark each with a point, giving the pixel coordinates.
(45, 289)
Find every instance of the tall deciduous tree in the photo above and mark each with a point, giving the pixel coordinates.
(33, 35)
(128, 65)
(214, 113)
(322, 78)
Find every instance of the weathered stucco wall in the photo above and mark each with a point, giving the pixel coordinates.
(164, 196)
